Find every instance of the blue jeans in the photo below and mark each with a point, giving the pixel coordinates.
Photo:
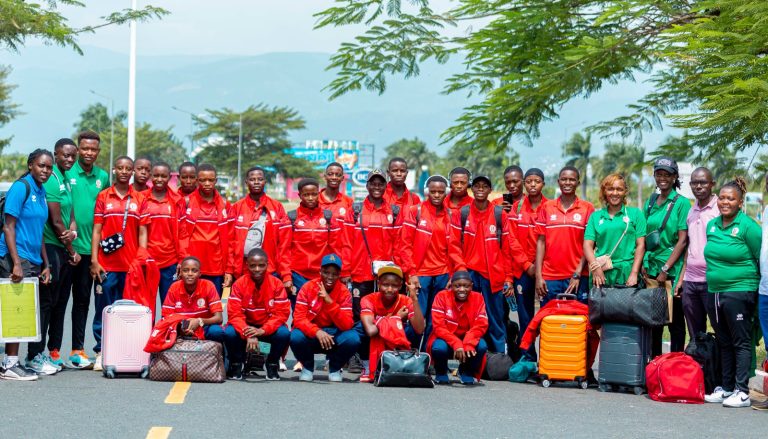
(430, 286)
(555, 287)
(496, 336)
(214, 333)
(111, 291)
(365, 342)
(525, 292)
(236, 345)
(166, 279)
(441, 353)
(305, 348)
(298, 282)
(762, 314)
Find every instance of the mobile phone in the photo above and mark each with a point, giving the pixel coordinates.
(102, 277)
(508, 198)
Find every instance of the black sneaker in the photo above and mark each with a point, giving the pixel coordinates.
(272, 372)
(355, 364)
(18, 373)
(235, 371)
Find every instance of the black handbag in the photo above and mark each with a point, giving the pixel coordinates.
(401, 368)
(642, 306)
(115, 242)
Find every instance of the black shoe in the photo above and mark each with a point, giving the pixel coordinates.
(235, 371)
(591, 380)
(272, 372)
(762, 406)
(355, 364)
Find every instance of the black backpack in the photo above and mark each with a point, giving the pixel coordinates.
(5, 196)
(703, 348)
(498, 213)
(327, 214)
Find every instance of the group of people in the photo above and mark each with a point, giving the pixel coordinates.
(392, 271)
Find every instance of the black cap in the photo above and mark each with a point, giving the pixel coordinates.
(665, 164)
(376, 173)
(482, 178)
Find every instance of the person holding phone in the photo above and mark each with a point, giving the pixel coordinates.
(115, 242)
(22, 253)
(197, 300)
(322, 322)
(513, 182)
(385, 303)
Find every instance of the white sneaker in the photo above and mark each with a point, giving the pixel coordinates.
(335, 377)
(50, 362)
(40, 366)
(18, 373)
(738, 399)
(718, 396)
(306, 375)
(283, 367)
(97, 364)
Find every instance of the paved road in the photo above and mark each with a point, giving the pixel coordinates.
(83, 404)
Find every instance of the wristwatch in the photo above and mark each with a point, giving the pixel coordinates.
(576, 276)
(665, 269)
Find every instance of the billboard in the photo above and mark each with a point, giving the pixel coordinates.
(322, 153)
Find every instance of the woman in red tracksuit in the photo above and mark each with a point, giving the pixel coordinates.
(258, 211)
(424, 249)
(460, 321)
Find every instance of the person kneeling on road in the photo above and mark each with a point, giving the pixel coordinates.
(197, 300)
(258, 310)
(459, 322)
(378, 308)
(322, 322)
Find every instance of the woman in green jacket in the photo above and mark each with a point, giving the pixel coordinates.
(732, 254)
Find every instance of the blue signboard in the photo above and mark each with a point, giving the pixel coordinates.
(360, 176)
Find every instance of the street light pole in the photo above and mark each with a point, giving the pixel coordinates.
(240, 152)
(192, 117)
(132, 89)
(112, 135)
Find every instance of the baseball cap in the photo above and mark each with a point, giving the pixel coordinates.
(484, 178)
(665, 164)
(376, 173)
(390, 269)
(331, 259)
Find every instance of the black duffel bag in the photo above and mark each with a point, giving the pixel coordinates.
(642, 306)
(703, 348)
(403, 369)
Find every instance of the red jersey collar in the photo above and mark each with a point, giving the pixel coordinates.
(576, 204)
(112, 192)
(339, 198)
(389, 192)
(368, 204)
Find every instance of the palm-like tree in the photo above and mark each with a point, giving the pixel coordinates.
(415, 152)
(577, 153)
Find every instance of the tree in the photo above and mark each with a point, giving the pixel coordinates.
(21, 20)
(678, 148)
(8, 110)
(265, 140)
(490, 163)
(525, 59)
(577, 152)
(152, 143)
(415, 153)
(12, 166)
(625, 159)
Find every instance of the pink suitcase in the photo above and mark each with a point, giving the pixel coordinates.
(125, 330)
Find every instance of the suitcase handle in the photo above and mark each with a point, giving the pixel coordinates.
(124, 302)
(566, 296)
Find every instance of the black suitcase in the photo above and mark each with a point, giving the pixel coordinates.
(625, 350)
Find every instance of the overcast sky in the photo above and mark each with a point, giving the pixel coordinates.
(221, 27)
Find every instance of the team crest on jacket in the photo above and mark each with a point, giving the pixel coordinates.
(735, 231)
(271, 302)
(626, 219)
(322, 221)
(389, 218)
(492, 228)
(399, 324)
(133, 206)
(577, 217)
(223, 212)
(342, 211)
(200, 302)
(240, 218)
(98, 184)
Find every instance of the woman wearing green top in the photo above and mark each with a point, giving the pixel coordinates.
(614, 241)
(732, 254)
(666, 239)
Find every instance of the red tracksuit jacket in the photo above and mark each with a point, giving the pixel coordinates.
(310, 238)
(381, 229)
(164, 233)
(523, 221)
(339, 206)
(460, 325)
(267, 307)
(245, 213)
(408, 199)
(313, 314)
(481, 251)
(424, 247)
(208, 232)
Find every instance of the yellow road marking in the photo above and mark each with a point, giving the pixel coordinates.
(159, 432)
(178, 393)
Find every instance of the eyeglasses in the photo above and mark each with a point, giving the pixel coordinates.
(699, 183)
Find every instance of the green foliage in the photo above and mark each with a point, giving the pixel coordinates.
(525, 59)
(577, 152)
(21, 20)
(265, 139)
(8, 110)
(12, 166)
(625, 159)
(155, 144)
(490, 162)
(415, 153)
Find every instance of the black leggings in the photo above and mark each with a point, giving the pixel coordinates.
(731, 314)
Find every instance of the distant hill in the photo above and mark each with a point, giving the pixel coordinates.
(54, 83)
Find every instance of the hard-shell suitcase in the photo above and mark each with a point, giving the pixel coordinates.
(625, 350)
(563, 349)
(125, 330)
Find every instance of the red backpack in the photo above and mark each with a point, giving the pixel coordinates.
(675, 377)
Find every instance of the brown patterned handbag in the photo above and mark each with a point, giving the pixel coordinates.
(197, 361)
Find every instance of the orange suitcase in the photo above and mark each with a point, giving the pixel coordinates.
(563, 350)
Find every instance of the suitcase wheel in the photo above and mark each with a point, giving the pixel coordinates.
(638, 390)
(604, 387)
(546, 383)
(109, 372)
(583, 384)
(145, 371)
